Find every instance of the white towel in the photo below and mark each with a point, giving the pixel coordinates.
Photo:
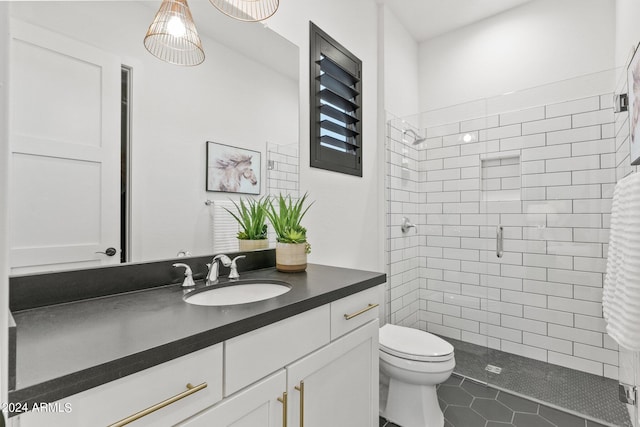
(224, 227)
(621, 293)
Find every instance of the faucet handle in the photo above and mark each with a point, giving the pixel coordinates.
(188, 275)
(234, 267)
(233, 261)
(225, 260)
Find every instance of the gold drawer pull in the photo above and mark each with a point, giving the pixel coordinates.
(191, 389)
(301, 390)
(358, 313)
(283, 400)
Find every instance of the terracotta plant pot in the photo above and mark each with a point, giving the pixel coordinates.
(252, 245)
(291, 257)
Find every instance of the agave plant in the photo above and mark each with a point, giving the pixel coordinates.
(285, 216)
(251, 216)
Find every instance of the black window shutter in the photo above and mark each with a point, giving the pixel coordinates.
(336, 105)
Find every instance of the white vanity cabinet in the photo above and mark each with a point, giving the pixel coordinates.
(119, 399)
(338, 384)
(314, 369)
(331, 359)
(334, 385)
(256, 354)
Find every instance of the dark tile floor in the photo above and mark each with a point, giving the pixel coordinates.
(466, 403)
(578, 392)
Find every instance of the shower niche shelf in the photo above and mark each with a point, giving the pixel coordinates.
(500, 177)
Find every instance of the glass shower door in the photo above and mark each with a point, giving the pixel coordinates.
(629, 364)
(548, 231)
(454, 298)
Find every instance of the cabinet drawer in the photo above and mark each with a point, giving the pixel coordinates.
(353, 311)
(119, 399)
(257, 405)
(256, 354)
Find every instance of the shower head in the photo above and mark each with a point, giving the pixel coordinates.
(417, 139)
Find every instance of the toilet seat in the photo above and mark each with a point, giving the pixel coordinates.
(414, 344)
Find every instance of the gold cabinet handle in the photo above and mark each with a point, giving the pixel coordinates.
(358, 313)
(191, 389)
(283, 400)
(300, 388)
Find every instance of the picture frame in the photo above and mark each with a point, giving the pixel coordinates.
(633, 89)
(233, 169)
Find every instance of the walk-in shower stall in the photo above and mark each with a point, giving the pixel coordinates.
(511, 199)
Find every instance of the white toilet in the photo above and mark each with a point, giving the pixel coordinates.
(412, 363)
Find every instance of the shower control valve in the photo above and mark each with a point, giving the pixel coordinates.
(406, 225)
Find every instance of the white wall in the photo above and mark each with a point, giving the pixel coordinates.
(399, 89)
(400, 67)
(175, 110)
(540, 42)
(627, 30)
(4, 178)
(346, 223)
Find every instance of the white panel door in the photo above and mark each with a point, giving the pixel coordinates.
(65, 148)
(338, 384)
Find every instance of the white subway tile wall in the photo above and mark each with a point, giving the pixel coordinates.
(283, 174)
(546, 174)
(282, 166)
(406, 188)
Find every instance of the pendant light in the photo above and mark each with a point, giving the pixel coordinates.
(247, 10)
(172, 36)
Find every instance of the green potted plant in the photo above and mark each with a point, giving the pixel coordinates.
(292, 247)
(251, 217)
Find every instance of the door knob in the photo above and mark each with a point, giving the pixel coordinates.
(109, 252)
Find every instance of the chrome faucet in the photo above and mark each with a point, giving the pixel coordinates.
(188, 275)
(214, 268)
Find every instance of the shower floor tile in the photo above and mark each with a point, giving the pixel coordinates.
(466, 403)
(575, 391)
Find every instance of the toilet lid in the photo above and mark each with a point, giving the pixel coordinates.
(414, 344)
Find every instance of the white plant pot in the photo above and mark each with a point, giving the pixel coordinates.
(291, 257)
(252, 245)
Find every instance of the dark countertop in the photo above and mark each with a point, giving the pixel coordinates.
(67, 348)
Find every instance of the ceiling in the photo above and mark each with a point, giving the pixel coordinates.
(425, 19)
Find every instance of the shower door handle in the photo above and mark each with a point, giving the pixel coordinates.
(499, 242)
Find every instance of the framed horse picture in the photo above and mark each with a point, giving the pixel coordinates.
(232, 169)
(633, 80)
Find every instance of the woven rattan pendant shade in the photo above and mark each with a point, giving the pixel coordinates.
(172, 36)
(247, 10)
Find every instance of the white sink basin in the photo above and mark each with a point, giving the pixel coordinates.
(241, 292)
